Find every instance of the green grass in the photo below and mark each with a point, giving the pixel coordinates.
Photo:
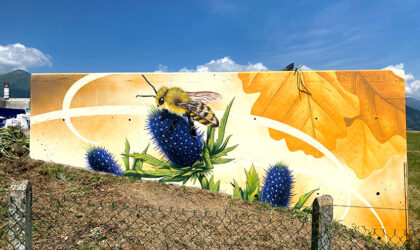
(414, 169)
(413, 155)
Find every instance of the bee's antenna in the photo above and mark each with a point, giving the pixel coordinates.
(149, 83)
(146, 96)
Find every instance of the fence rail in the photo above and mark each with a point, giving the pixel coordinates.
(63, 223)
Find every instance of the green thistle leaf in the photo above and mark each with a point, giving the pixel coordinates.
(224, 145)
(138, 164)
(251, 197)
(303, 199)
(126, 158)
(204, 183)
(227, 150)
(151, 160)
(220, 161)
(252, 189)
(216, 187)
(126, 164)
(206, 158)
(237, 192)
(213, 186)
(222, 127)
(209, 129)
(127, 147)
(210, 140)
(173, 179)
(194, 179)
(133, 174)
(252, 180)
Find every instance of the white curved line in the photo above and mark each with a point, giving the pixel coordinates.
(88, 111)
(265, 122)
(69, 97)
(347, 208)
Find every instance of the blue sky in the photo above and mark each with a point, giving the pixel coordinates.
(133, 36)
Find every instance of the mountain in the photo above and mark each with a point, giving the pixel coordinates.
(414, 103)
(413, 118)
(19, 82)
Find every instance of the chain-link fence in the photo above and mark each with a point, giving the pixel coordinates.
(66, 223)
(4, 218)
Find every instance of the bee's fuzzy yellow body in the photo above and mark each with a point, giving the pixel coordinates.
(172, 97)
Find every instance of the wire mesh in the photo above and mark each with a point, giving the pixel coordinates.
(369, 237)
(12, 222)
(67, 223)
(4, 195)
(16, 224)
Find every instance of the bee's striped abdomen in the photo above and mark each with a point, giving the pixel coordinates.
(201, 113)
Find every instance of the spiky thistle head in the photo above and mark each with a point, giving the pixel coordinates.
(278, 185)
(179, 147)
(99, 159)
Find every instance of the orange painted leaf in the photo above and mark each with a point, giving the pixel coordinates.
(382, 105)
(357, 115)
(320, 115)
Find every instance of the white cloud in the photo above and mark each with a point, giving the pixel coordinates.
(17, 56)
(412, 86)
(224, 64)
(413, 89)
(304, 67)
(162, 68)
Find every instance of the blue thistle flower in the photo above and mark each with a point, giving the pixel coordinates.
(278, 184)
(99, 159)
(178, 146)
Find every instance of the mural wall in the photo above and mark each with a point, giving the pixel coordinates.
(265, 136)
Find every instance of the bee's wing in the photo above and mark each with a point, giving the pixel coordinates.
(196, 109)
(192, 106)
(205, 97)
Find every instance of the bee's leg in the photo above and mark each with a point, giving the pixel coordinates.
(164, 111)
(191, 122)
(171, 126)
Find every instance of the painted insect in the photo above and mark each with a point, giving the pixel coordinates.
(192, 105)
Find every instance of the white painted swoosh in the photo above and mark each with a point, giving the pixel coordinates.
(89, 111)
(347, 208)
(69, 97)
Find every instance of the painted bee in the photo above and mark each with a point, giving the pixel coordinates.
(192, 105)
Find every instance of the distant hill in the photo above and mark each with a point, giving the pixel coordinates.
(20, 83)
(414, 103)
(413, 118)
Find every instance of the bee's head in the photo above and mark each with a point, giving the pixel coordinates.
(160, 96)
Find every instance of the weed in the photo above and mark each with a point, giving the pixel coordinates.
(231, 202)
(184, 190)
(96, 178)
(79, 190)
(51, 171)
